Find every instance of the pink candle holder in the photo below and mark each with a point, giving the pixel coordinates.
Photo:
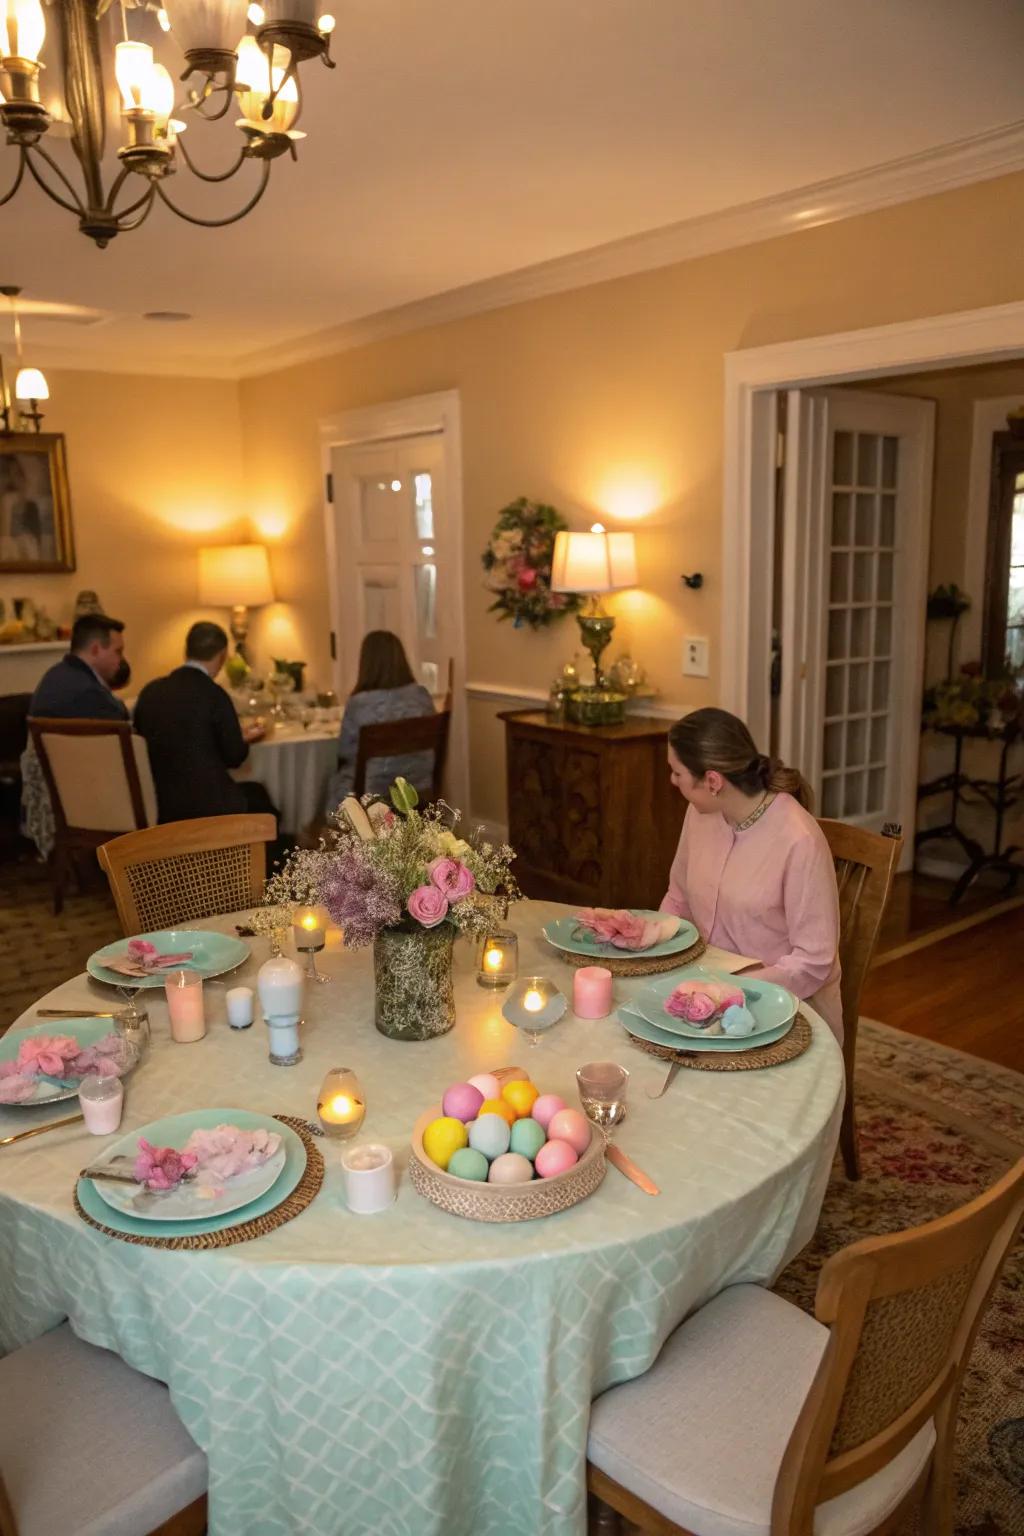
(592, 992)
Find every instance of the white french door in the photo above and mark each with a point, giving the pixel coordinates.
(393, 552)
(854, 556)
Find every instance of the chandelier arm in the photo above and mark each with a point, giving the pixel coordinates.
(224, 175)
(122, 213)
(199, 100)
(148, 203)
(77, 207)
(219, 223)
(18, 179)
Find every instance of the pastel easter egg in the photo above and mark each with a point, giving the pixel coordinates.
(442, 1137)
(737, 1020)
(527, 1138)
(490, 1135)
(462, 1101)
(547, 1105)
(467, 1163)
(510, 1168)
(521, 1095)
(555, 1157)
(498, 1107)
(571, 1126)
(487, 1083)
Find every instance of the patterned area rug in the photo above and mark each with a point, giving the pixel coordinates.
(937, 1127)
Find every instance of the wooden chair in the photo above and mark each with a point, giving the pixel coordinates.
(185, 870)
(396, 738)
(865, 867)
(13, 739)
(99, 781)
(758, 1419)
(89, 1445)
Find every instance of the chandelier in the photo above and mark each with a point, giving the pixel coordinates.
(224, 65)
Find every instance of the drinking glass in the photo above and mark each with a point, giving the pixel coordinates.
(602, 1089)
(132, 1026)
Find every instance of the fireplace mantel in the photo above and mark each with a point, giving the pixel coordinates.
(21, 666)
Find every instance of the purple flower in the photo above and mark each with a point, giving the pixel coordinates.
(361, 899)
(428, 905)
(452, 878)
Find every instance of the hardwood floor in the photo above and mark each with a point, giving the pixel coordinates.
(965, 991)
(918, 904)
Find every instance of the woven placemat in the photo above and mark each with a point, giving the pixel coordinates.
(639, 966)
(292, 1205)
(787, 1049)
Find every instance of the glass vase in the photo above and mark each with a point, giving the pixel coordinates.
(414, 997)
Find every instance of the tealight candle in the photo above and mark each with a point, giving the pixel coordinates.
(592, 992)
(340, 1107)
(368, 1173)
(184, 991)
(533, 1005)
(308, 931)
(101, 1100)
(499, 960)
(239, 1006)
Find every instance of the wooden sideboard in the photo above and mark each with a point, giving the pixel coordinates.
(592, 814)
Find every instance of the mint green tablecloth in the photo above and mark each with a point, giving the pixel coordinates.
(412, 1373)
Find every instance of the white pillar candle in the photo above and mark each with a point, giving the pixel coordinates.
(239, 1005)
(279, 983)
(184, 990)
(101, 1100)
(368, 1172)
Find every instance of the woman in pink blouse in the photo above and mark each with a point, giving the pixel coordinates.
(753, 870)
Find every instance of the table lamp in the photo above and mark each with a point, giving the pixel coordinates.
(594, 563)
(235, 576)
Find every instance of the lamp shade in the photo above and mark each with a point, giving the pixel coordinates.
(233, 574)
(30, 384)
(593, 562)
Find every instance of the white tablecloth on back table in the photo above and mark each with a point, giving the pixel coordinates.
(295, 765)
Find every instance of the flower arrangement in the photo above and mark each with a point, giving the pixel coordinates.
(517, 561)
(972, 700)
(395, 868)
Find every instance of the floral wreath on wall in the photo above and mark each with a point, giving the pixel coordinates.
(517, 561)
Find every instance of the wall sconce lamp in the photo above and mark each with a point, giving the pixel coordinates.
(21, 412)
(694, 582)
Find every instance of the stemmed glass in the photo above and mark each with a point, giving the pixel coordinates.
(533, 1005)
(602, 1088)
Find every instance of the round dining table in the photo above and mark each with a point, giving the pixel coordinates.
(294, 764)
(415, 1373)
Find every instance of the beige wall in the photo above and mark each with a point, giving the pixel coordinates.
(609, 400)
(155, 469)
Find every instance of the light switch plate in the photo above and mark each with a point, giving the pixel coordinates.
(695, 656)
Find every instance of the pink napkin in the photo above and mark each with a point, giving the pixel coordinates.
(141, 958)
(625, 930)
(703, 1002)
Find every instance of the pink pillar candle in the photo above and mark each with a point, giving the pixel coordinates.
(592, 992)
(184, 991)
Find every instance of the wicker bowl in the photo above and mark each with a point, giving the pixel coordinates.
(503, 1202)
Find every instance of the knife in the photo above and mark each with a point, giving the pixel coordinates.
(73, 1013)
(627, 1167)
(54, 1125)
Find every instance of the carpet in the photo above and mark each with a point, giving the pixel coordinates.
(936, 1126)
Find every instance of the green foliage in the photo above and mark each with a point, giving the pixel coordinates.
(517, 561)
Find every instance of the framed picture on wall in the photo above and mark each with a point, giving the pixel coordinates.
(35, 507)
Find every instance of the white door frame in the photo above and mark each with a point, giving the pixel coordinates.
(370, 424)
(912, 346)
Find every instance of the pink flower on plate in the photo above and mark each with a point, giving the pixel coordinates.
(162, 1167)
(47, 1054)
(453, 878)
(428, 905)
(698, 1002)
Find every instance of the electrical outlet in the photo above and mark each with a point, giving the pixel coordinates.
(695, 656)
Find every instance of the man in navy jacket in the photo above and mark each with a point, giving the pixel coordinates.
(79, 686)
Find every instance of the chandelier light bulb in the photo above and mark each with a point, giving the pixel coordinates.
(161, 96)
(133, 67)
(252, 72)
(164, 20)
(326, 25)
(22, 29)
(31, 384)
(255, 79)
(256, 14)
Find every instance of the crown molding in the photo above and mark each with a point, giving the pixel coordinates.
(996, 152)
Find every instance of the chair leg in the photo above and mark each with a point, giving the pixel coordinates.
(58, 874)
(848, 1135)
(602, 1520)
(938, 1504)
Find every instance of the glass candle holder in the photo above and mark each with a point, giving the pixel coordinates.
(499, 960)
(340, 1106)
(533, 1005)
(101, 1100)
(309, 933)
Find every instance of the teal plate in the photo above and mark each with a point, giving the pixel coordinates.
(50, 1090)
(565, 933)
(770, 1004)
(212, 955)
(174, 1130)
(634, 1024)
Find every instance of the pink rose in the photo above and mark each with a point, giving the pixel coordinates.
(527, 579)
(162, 1167)
(452, 877)
(428, 905)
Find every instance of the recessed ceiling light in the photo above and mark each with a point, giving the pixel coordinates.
(166, 314)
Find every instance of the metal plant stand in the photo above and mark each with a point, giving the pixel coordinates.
(999, 794)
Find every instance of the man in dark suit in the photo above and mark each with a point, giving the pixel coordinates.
(195, 738)
(79, 686)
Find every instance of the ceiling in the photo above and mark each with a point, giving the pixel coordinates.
(461, 139)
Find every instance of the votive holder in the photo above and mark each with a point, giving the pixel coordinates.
(499, 960)
(285, 1050)
(340, 1106)
(368, 1177)
(310, 938)
(101, 1100)
(533, 1005)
